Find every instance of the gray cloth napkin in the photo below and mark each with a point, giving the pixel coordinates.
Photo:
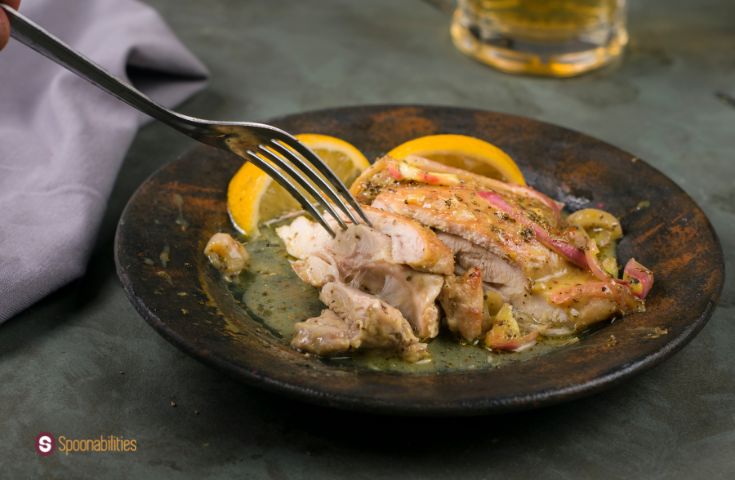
(62, 140)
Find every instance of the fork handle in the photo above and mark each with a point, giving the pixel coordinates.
(34, 36)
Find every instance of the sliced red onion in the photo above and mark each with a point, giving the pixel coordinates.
(526, 191)
(562, 247)
(638, 278)
(515, 344)
(566, 249)
(593, 262)
(587, 289)
(617, 291)
(394, 171)
(437, 178)
(555, 206)
(404, 171)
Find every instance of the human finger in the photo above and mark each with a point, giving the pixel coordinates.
(4, 29)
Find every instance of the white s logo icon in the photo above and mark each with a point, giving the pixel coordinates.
(44, 444)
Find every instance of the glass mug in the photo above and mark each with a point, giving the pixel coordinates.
(557, 38)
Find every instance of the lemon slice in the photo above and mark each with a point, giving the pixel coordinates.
(253, 197)
(462, 151)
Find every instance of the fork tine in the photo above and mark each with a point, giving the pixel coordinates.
(334, 180)
(276, 175)
(308, 169)
(285, 165)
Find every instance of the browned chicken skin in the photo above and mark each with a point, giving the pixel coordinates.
(387, 172)
(460, 211)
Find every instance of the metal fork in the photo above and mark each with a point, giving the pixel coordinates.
(273, 150)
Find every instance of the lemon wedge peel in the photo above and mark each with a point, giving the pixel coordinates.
(250, 186)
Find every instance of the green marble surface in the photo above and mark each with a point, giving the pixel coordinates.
(83, 363)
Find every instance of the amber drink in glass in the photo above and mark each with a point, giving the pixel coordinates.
(558, 38)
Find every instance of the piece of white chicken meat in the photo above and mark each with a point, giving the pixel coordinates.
(354, 319)
(398, 260)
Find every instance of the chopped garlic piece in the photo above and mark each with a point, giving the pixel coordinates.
(226, 254)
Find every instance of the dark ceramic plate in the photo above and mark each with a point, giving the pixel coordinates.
(169, 219)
